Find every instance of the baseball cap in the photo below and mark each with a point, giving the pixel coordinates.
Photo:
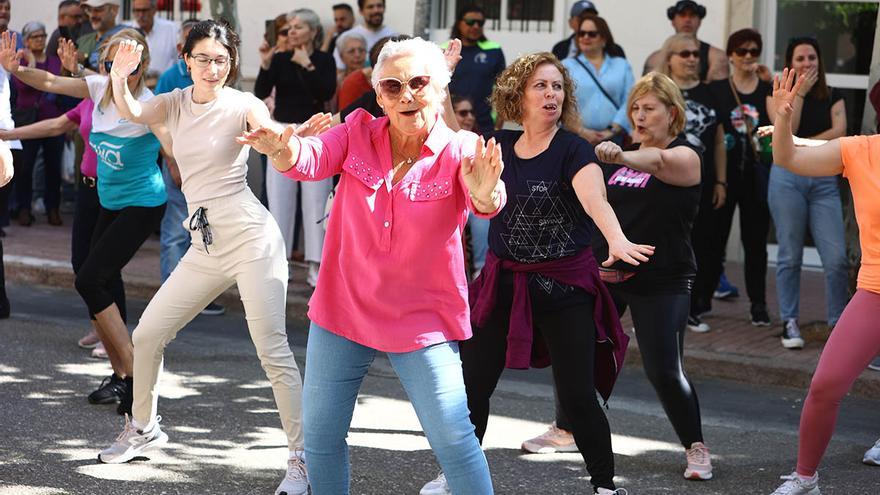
(579, 7)
(683, 5)
(98, 3)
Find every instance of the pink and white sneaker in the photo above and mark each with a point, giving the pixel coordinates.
(554, 440)
(699, 463)
(89, 340)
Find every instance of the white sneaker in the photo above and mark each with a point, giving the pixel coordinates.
(312, 277)
(696, 324)
(872, 455)
(606, 491)
(99, 352)
(133, 443)
(791, 335)
(296, 481)
(794, 485)
(551, 441)
(437, 486)
(699, 462)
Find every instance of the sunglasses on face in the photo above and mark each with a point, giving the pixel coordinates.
(108, 64)
(464, 113)
(391, 86)
(475, 22)
(742, 52)
(588, 34)
(688, 53)
(282, 32)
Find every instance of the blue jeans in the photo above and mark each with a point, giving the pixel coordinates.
(432, 378)
(479, 239)
(173, 236)
(797, 202)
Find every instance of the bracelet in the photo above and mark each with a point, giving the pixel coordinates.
(492, 198)
(721, 183)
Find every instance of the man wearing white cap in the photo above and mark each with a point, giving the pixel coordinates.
(102, 16)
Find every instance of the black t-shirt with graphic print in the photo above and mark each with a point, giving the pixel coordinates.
(652, 212)
(543, 219)
(732, 117)
(701, 126)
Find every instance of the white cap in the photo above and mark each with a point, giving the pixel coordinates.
(99, 3)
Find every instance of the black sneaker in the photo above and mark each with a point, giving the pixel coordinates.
(213, 309)
(4, 307)
(125, 401)
(760, 317)
(110, 392)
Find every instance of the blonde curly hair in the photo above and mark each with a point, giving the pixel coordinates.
(510, 87)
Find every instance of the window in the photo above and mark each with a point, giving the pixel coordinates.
(507, 15)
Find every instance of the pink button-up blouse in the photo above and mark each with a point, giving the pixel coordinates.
(392, 271)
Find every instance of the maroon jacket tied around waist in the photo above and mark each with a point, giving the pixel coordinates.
(523, 351)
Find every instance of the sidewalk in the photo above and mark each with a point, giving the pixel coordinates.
(734, 349)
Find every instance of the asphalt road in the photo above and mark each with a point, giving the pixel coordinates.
(225, 437)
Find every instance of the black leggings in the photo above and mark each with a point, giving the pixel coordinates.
(570, 336)
(85, 217)
(660, 321)
(117, 237)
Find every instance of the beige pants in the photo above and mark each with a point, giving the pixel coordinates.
(247, 250)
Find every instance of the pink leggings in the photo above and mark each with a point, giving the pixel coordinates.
(854, 342)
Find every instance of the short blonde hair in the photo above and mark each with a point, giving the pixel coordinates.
(671, 46)
(510, 88)
(665, 89)
(115, 40)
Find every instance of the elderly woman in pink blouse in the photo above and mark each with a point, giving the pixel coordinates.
(392, 274)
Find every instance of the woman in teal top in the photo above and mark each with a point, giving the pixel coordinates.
(130, 190)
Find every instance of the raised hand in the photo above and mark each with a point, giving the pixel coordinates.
(810, 78)
(622, 249)
(315, 126)
(785, 90)
(267, 141)
(68, 55)
(9, 57)
(266, 53)
(128, 57)
(481, 173)
(301, 57)
(452, 54)
(609, 152)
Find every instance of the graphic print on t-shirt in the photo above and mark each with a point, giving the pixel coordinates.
(627, 177)
(738, 114)
(540, 227)
(699, 117)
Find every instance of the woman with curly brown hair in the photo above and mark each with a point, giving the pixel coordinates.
(541, 281)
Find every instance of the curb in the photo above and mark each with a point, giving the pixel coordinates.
(700, 364)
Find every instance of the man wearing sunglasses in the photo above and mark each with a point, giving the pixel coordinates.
(102, 16)
(481, 62)
(686, 17)
(161, 34)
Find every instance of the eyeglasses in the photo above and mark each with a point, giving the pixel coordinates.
(356, 49)
(588, 34)
(37, 36)
(391, 86)
(688, 53)
(203, 61)
(464, 113)
(108, 65)
(742, 52)
(282, 32)
(474, 22)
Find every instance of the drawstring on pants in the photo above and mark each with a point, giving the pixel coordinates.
(200, 219)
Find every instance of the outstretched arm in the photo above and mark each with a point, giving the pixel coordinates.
(37, 78)
(42, 129)
(816, 161)
(128, 57)
(678, 166)
(589, 186)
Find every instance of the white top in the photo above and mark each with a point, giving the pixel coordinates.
(162, 42)
(371, 36)
(6, 121)
(107, 119)
(212, 165)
